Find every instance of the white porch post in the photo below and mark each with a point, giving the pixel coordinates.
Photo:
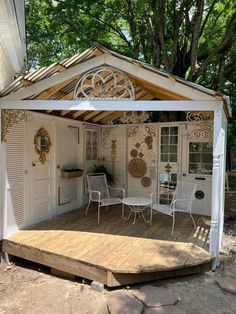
(2, 184)
(218, 184)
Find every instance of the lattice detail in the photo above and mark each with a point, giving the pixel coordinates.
(104, 83)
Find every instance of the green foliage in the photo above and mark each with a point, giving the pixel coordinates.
(193, 39)
(101, 168)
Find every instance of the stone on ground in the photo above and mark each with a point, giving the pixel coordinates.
(227, 284)
(171, 309)
(120, 302)
(153, 296)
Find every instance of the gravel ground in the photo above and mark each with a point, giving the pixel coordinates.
(26, 288)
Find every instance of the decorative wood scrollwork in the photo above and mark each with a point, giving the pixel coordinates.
(105, 83)
(9, 118)
(42, 144)
(203, 122)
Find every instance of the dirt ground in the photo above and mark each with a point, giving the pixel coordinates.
(26, 288)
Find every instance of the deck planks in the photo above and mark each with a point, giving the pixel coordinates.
(76, 244)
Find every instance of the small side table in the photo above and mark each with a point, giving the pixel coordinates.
(137, 205)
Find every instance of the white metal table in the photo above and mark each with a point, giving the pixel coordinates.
(137, 205)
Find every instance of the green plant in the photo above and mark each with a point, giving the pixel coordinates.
(101, 168)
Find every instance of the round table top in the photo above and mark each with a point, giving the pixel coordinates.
(136, 201)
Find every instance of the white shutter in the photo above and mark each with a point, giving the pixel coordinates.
(15, 158)
(1, 187)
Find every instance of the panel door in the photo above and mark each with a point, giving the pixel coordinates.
(42, 175)
(169, 162)
(197, 168)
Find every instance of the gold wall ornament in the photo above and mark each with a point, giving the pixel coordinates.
(203, 122)
(42, 144)
(9, 118)
(104, 83)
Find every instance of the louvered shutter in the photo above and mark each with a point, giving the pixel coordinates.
(15, 158)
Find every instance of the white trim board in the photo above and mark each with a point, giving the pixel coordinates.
(139, 72)
(116, 105)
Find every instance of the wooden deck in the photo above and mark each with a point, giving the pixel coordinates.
(115, 252)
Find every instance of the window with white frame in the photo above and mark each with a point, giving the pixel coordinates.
(200, 158)
(169, 144)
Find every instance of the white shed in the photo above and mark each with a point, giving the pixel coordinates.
(93, 108)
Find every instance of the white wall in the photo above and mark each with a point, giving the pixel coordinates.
(125, 143)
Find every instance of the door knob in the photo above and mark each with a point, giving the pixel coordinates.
(184, 174)
(33, 164)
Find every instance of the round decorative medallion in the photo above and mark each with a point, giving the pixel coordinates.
(199, 195)
(134, 153)
(148, 140)
(146, 182)
(137, 168)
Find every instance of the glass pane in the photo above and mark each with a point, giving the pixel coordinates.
(164, 157)
(165, 177)
(174, 130)
(174, 177)
(165, 131)
(173, 157)
(194, 157)
(207, 158)
(174, 140)
(205, 148)
(165, 140)
(173, 149)
(164, 149)
(194, 147)
(208, 168)
(192, 168)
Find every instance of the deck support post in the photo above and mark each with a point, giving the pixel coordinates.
(218, 181)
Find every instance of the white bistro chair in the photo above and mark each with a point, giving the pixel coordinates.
(98, 190)
(181, 202)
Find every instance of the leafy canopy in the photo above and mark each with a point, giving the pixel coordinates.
(194, 39)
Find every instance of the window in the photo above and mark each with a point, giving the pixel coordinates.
(200, 158)
(169, 144)
(91, 145)
(168, 182)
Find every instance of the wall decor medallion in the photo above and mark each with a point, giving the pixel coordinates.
(146, 182)
(137, 168)
(42, 144)
(134, 153)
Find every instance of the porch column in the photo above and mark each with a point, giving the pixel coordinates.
(218, 183)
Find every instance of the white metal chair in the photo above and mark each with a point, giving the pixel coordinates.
(99, 192)
(181, 202)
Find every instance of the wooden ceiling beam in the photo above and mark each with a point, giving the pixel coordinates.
(64, 112)
(113, 116)
(52, 90)
(91, 114)
(78, 113)
(102, 116)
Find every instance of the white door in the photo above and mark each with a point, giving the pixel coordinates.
(42, 194)
(197, 168)
(169, 161)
